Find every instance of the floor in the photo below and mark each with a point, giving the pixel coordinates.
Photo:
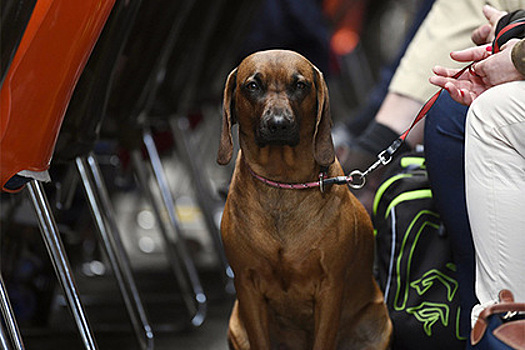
(111, 325)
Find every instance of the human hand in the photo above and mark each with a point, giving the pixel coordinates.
(469, 85)
(485, 33)
(487, 71)
(498, 68)
(463, 89)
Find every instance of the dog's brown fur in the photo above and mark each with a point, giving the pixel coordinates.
(302, 259)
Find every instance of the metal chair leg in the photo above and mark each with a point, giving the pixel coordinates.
(10, 322)
(192, 292)
(4, 341)
(109, 235)
(180, 128)
(166, 230)
(56, 251)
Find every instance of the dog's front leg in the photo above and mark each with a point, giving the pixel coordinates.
(254, 312)
(328, 304)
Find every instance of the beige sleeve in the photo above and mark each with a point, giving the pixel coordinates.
(518, 56)
(447, 28)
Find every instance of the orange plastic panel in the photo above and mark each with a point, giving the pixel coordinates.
(36, 91)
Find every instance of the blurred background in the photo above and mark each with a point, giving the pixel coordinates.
(135, 194)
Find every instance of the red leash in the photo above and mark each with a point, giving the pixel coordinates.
(386, 155)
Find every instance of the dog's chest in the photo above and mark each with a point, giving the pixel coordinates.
(292, 265)
(290, 238)
(292, 278)
(294, 218)
(279, 247)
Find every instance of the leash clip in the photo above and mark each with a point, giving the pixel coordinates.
(359, 176)
(385, 157)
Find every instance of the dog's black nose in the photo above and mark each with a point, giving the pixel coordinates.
(277, 127)
(279, 124)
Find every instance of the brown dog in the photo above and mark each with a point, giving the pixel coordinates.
(302, 258)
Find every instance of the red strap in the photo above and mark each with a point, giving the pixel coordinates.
(426, 107)
(385, 156)
(495, 48)
(496, 45)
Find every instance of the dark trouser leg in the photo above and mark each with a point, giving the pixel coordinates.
(444, 149)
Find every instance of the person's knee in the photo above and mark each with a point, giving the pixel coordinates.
(496, 107)
(479, 112)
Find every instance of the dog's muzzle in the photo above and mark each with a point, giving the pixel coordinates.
(278, 127)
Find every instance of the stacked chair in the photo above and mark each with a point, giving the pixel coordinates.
(151, 41)
(14, 16)
(14, 19)
(54, 48)
(75, 145)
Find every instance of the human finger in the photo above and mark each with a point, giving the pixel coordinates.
(454, 92)
(462, 96)
(477, 69)
(468, 97)
(476, 53)
(439, 81)
(492, 14)
(481, 34)
(443, 82)
(445, 72)
(484, 34)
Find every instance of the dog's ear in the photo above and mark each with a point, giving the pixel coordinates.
(324, 153)
(224, 154)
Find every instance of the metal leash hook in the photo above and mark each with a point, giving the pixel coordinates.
(353, 176)
(383, 158)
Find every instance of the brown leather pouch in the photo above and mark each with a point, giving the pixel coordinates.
(503, 321)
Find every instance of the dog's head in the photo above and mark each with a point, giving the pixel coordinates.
(278, 98)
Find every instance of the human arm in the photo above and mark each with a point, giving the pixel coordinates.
(397, 112)
(518, 56)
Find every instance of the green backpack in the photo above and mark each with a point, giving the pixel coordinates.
(414, 263)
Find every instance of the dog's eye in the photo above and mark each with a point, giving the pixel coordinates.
(252, 86)
(300, 85)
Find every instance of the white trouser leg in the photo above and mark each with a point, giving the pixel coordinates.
(495, 189)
